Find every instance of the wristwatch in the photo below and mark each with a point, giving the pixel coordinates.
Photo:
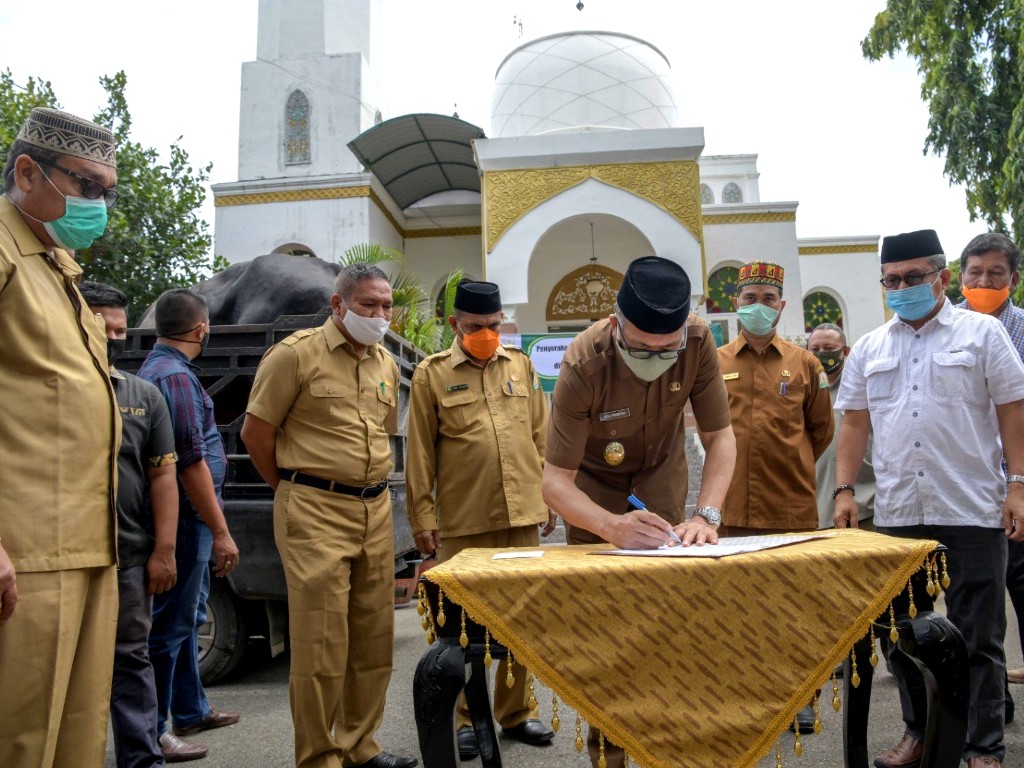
(712, 515)
(847, 487)
(1014, 479)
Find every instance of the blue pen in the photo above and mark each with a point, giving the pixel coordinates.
(640, 505)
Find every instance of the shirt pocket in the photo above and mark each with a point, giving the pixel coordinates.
(517, 400)
(328, 401)
(456, 414)
(385, 403)
(883, 379)
(953, 378)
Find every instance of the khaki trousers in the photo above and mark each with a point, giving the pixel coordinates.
(56, 663)
(338, 558)
(510, 704)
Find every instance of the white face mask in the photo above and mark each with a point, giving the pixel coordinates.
(365, 330)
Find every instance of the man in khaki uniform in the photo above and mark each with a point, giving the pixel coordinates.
(60, 432)
(322, 406)
(781, 414)
(617, 425)
(477, 429)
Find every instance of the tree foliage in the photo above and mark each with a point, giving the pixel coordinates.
(968, 53)
(155, 239)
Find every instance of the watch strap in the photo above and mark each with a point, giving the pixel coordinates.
(843, 487)
(1015, 479)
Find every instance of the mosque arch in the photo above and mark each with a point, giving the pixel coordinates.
(294, 249)
(510, 262)
(296, 121)
(732, 193)
(707, 197)
(822, 305)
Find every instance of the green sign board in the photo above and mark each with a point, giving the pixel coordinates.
(545, 351)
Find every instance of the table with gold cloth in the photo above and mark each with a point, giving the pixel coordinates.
(684, 661)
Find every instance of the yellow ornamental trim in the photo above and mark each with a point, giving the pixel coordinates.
(750, 218)
(672, 186)
(291, 196)
(443, 232)
(824, 250)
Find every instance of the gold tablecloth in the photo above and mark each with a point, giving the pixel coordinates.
(685, 662)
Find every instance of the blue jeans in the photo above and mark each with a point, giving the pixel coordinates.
(174, 639)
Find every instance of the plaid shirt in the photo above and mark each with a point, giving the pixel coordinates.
(195, 430)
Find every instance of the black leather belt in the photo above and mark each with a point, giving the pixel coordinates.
(302, 478)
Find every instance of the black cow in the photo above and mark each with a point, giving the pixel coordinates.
(261, 290)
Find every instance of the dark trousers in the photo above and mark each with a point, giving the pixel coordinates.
(1015, 582)
(174, 639)
(133, 692)
(975, 603)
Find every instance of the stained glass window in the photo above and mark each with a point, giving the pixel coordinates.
(297, 122)
(820, 307)
(722, 290)
(732, 193)
(707, 197)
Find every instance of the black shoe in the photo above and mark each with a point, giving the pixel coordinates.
(804, 720)
(468, 748)
(530, 732)
(384, 760)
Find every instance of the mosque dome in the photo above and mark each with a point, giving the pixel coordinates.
(577, 81)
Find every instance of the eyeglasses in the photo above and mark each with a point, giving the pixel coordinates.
(647, 354)
(892, 282)
(91, 189)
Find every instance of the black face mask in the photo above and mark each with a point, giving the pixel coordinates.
(202, 343)
(114, 349)
(831, 360)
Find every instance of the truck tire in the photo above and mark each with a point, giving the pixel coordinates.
(224, 636)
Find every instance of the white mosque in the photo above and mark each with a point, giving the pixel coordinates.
(585, 169)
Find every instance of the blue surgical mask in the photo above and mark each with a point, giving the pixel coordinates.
(912, 303)
(83, 221)
(759, 319)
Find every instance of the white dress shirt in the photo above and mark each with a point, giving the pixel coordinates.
(931, 395)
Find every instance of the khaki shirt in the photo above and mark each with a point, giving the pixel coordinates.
(334, 411)
(600, 406)
(60, 429)
(479, 433)
(782, 418)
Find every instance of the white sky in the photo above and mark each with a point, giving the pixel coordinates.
(786, 81)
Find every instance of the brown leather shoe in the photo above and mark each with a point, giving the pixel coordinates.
(214, 720)
(906, 754)
(178, 750)
(984, 761)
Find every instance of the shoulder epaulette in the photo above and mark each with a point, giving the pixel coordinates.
(298, 336)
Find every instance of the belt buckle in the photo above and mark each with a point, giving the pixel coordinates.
(365, 491)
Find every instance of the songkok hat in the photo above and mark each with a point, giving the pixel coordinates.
(477, 297)
(655, 295)
(761, 273)
(67, 134)
(911, 245)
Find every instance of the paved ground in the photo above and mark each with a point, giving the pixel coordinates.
(263, 738)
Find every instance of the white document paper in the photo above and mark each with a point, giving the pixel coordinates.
(517, 555)
(736, 545)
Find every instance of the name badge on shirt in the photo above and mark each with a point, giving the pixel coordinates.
(621, 413)
(730, 376)
(456, 387)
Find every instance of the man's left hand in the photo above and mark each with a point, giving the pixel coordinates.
(162, 573)
(1013, 512)
(549, 526)
(697, 531)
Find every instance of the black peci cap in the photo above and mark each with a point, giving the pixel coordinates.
(655, 295)
(911, 245)
(477, 297)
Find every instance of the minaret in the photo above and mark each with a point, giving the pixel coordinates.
(311, 90)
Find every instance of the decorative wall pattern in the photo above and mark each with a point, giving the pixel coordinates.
(672, 186)
(824, 250)
(584, 294)
(821, 307)
(292, 195)
(721, 290)
(769, 217)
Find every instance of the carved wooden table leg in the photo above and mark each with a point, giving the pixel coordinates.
(857, 702)
(479, 702)
(439, 678)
